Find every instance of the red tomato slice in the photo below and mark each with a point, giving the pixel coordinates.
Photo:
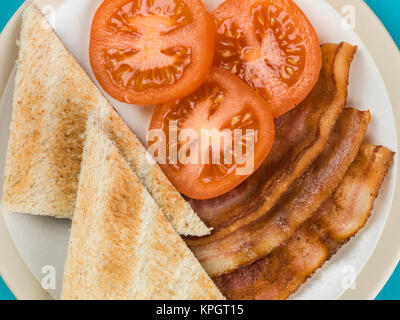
(224, 104)
(271, 45)
(148, 52)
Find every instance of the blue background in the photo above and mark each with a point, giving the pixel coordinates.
(389, 13)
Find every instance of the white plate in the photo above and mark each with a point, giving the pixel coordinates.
(43, 241)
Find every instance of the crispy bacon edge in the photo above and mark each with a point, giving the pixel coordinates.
(283, 271)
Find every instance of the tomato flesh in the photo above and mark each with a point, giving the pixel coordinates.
(151, 51)
(270, 45)
(224, 104)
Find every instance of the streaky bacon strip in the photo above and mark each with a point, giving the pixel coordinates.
(283, 271)
(301, 136)
(304, 196)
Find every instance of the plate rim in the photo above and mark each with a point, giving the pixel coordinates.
(384, 52)
(386, 56)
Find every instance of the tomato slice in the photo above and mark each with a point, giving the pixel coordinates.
(148, 52)
(271, 45)
(224, 107)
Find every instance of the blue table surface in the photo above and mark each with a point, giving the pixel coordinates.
(389, 13)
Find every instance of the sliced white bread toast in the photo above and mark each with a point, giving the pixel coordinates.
(121, 245)
(53, 96)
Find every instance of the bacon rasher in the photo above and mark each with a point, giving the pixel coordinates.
(283, 271)
(257, 239)
(301, 136)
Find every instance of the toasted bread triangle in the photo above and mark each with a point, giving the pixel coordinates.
(122, 246)
(52, 99)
